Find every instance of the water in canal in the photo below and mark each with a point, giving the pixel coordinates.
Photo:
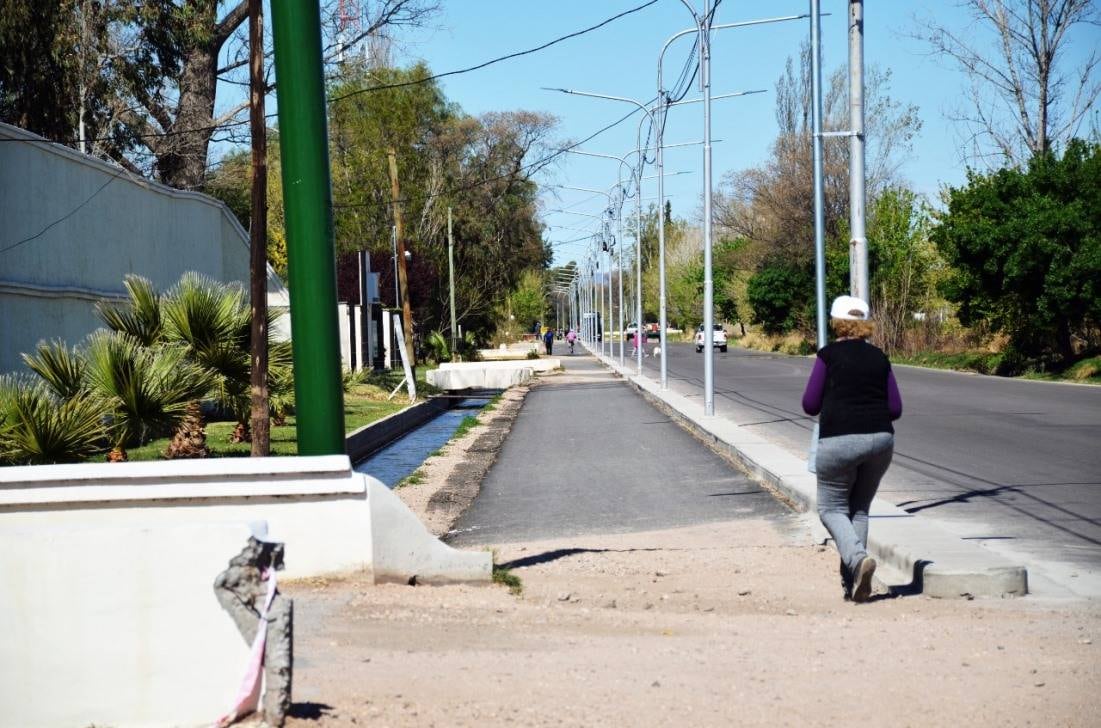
(401, 457)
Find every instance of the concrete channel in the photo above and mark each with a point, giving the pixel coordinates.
(396, 446)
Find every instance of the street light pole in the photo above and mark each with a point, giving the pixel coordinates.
(858, 245)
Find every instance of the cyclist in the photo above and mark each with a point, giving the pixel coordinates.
(571, 337)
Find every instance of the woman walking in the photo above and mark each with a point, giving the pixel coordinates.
(853, 389)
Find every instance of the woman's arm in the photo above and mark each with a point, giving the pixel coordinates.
(894, 398)
(816, 385)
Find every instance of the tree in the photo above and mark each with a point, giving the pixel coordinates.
(772, 206)
(1023, 99)
(905, 264)
(149, 73)
(1025, 249)
(36, 74)
(779, 292)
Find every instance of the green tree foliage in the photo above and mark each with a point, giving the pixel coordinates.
(779, 293)
(905, 264)
(1025, 248)
(36, 71)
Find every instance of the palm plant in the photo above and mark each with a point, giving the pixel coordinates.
(206, 318)
(146, 391)
(212, 321)
(61, 368)
(37, 427)
(438, 348)
(140, 317)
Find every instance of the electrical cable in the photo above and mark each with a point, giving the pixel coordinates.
(426, 79)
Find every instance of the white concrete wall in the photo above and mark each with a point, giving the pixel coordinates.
(72, 226)
(117, 626)
(107, 571)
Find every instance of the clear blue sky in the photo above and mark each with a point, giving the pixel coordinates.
(621, 59)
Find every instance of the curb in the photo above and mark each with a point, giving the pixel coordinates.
(938, 563)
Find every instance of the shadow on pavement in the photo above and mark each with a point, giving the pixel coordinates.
(309, 711)
(548, 556)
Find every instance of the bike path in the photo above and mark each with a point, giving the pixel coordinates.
(587, 455)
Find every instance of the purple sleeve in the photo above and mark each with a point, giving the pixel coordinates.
(812, 396)
(894, 399)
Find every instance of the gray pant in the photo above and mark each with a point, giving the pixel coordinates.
(849, 468)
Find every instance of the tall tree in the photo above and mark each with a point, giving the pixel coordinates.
(1024, 98)
(772, 205)
(1025, 249)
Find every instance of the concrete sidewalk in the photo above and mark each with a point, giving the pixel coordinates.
(922, 556)
(586, 456)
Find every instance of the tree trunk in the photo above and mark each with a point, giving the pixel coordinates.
(258, 239)
(190, 438)
(181, 157)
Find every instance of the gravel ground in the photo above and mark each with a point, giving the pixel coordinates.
(729, 623)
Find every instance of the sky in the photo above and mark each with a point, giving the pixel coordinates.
(620, 59)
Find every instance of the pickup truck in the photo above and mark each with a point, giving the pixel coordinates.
(718, 338)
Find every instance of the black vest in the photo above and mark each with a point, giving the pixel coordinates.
(854, 401)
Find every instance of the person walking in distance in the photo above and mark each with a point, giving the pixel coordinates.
(854, 392)
(548, 340)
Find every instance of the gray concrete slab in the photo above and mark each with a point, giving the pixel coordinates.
(588, 455)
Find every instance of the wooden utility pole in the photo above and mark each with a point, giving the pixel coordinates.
(258, 237)
(451, 277)
(403, 274)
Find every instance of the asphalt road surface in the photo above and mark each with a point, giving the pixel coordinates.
(587, 454)
(1013, 464)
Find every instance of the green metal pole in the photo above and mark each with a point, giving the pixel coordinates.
(307, 200)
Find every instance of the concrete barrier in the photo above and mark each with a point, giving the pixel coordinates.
(539, 366)
(117, 625)
(107, 573)
(481, 377)
(318, 506)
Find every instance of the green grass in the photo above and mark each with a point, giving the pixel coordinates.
(505, 577)
(468, 423)
(983, 362)
(414, 478)
(363, 405)
(1087, 371)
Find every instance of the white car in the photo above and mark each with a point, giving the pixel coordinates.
(718, 338)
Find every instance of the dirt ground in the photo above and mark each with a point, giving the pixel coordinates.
(738, 623)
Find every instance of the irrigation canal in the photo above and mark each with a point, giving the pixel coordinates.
(403, 456)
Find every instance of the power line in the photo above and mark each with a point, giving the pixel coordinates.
(495, 60)
(426, 79)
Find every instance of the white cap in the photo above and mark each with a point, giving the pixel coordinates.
(849, 307)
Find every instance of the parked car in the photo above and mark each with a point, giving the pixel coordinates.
(718, 338)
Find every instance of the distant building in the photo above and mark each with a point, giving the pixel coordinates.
(72, 226)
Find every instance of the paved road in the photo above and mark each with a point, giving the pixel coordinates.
(587, 454)
(1013, 464)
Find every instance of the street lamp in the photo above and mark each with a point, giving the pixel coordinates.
(611, 205)
(704, 26)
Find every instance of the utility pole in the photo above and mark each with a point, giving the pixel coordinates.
(311, 261)
(708, 284)
(403, 274)
(451, 277)
(858, 243)
(259, 420)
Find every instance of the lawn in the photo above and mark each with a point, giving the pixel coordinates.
(363, 404)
